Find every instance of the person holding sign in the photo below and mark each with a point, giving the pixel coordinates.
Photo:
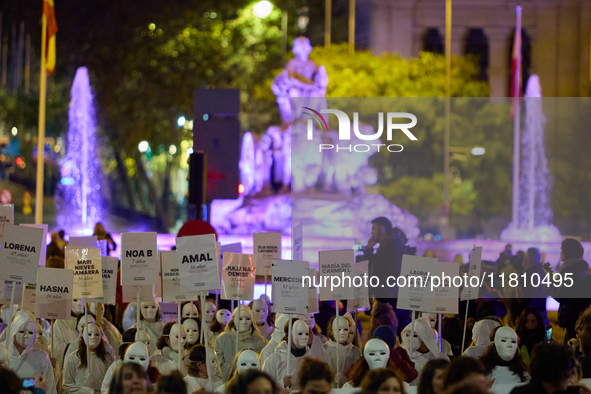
(338, 334)
(83, 375)
(243, 361)
(249, 337)
(376, 355)
(24, 359)
(423, 347)
(198, 371)
(151, 322)
(260, 311)
(192, 327)
(276, 364)
(64, 332)
(111, 332)
(277, 336)
(172, 341)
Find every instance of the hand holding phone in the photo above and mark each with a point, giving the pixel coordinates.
(548, 333)
(29, 384)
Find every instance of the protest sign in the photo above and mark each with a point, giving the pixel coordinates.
(55, 287)
(337, 267)
(139, 259)
(297, 244)
(28, 298)
(361, 300)
(20, 253)
(289, 295)
(313, 292)
(7, 291)
(43, 254)
(447, 294)
(266, 248)
(6, 216)
(171, 282)
(129, 293)
(87, 266)
(109, 274)
(238, 276)
(198, 263)
(469, 292)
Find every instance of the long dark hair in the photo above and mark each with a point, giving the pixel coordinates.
(197, 356)
(425, 385)
(376, 377)
(161, 343)
(127, 339)
(116, 386)
(539, 333)
(359, 369)
(239, 384)
(100, 351)
(490, 359)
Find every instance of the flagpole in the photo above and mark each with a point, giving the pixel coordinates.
(41, 127)
(516, 118)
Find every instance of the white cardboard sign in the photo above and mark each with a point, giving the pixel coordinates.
(361, 300)
(313, 292)
(109, 274)
(45, 228)
(6, 216)
(297, 242)
(266, 247)
(129, 293)
(289, 295)
(29, 295)
(139, 259)
(468, 292)
(55, 287)
(20, 253)
(238, 276)
(171, 281)
(338, 264)
(198, 263)
(7, 291)
(87, 266)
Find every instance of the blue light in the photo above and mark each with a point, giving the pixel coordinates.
(437, 237)
(205, 117)
(67, 181)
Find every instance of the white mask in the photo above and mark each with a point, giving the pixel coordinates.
(190, 310)
(143, 337)
(92, 336)
(149, 310)
(223, 316)
(209, 312)
(137, 353)
(178, 335)
(82, 322)
(77, 306)
(342, 332)
(259, 311)
(506, 343)
(247, 359)
(376, 353)
(416, 341)
(311, 321)
(192, 328)
(300, 334)
(213, 365)
(244, 323)
(25, 334)
(432, 318)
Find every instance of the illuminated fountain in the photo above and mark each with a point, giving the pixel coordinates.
(78, 200)
(534, 223)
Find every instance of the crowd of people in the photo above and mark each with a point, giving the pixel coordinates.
(213, 348)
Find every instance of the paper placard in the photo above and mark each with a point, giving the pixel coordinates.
(139, 259)
(361, 300)
(198, 263)
(6, 216)
(87, 266)
(129, 293)
(28, 299)
(266, 247)
(468, 292)
(297, 242)
(171, 281)
(336, 264)
(109, 274)
(447, 298)
(313, 293)
(55, 287)
(289, 295)
(168, 311)
(43, 254)
(238, 276)
(7, 291)
(83, 242)
(20, 253)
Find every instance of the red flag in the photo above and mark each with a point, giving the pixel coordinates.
(516, 61)
(49, 14)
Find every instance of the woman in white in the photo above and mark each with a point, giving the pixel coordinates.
(481, 337)
(193, 333)
(277, 336)
(23, 357)
(245, 359)
(172, 341)
(376, 355)
(41, 343)
(249, 338)
(111, 332)
(260, 311)
(276, 364)
(151, 322)
(503, 363)
(423, 346)
(338, 335)
(189, 310)
(199, 371)
(82, 375)
(222, 317)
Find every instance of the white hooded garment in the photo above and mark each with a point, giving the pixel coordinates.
(64, 333)
(481, 336)
(348, 354)
(276, 336)
(31, 362)
(167, 360)
(276, 365)
(78, 380)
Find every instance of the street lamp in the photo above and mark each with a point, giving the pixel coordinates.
(263, 9)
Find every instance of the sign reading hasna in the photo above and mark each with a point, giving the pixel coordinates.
(54, 293)
(20, 252)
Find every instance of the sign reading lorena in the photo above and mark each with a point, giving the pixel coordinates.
(171, 279)
(55, 287)
(267, 247)
(45, 228)
(88, 276)
(198, 263)
(289, 295)
(238, 276)
(20, 253)
(139, 259)
(109, 271)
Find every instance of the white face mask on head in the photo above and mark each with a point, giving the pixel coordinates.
(342, 332)
(82, 322)
(248, 359)
(223, 316)
(192, 328)
(506, 343)
(143, 337)
(92, 336)
(432, 318)
(209, 312)
(408, 344)
(300, 334)
(190, 310)
(138, 353)
(77, 306)
(376, 353)
(177, 336)
(149, 310)
(244, 323)
(259, 311)
(25, 334)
